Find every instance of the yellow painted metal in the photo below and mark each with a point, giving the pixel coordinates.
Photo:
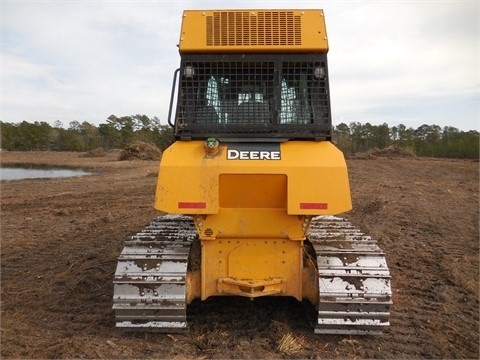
(252, 215)
(313, 176)
(251, 267)
(310, 279)
(251, 223)
(242, 248)
(250, 288)
(272, 191)
(193, 284)
(258, 31)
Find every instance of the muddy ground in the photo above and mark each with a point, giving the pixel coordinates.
(60, 239)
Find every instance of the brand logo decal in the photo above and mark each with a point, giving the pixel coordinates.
(250, 151)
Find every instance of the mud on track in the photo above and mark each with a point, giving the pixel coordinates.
(60, 239)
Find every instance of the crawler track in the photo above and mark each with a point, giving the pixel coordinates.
(149, 284)
(354, 280)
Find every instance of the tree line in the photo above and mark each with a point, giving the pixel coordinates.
(118, 132)
(426, 140)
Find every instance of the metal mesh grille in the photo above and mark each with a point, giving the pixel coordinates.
(229, 92)
(252, 97)
(246, 28)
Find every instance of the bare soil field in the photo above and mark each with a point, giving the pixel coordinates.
(60, 239)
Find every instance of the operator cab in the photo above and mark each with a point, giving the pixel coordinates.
(241, 97)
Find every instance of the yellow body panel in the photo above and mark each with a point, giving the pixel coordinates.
(251, 268)
(257, 31)
(252, 210)
(316, 177)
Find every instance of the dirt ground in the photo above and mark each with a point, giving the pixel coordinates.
(60, 239)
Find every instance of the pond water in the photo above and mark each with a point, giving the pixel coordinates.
(20, 173)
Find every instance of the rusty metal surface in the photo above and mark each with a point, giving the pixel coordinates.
(354, 281)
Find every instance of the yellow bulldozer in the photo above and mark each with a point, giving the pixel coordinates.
(252, 184)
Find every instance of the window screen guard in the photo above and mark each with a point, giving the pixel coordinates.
(254, 96)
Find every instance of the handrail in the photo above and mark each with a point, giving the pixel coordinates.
(175, 74)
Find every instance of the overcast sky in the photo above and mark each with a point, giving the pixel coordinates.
(399, 62)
